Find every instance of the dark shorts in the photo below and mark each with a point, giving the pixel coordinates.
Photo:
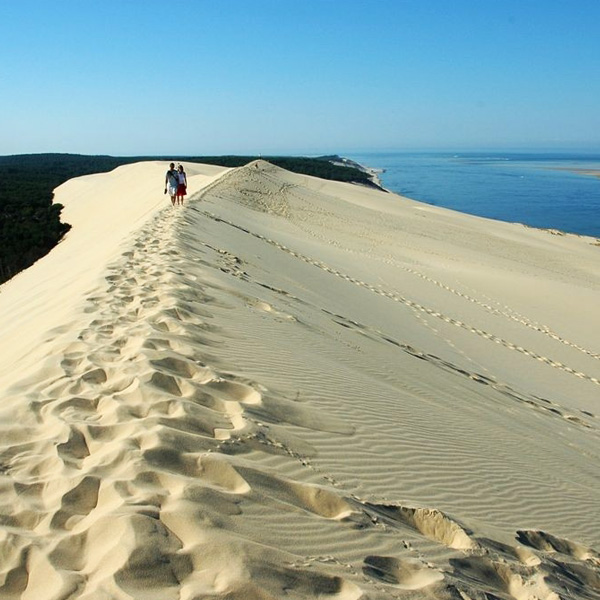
(181, 189)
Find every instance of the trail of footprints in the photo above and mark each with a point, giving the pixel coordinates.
(504, 311)
(140, 388)
(396, 297)
(259, 176)
(130, 388)
(542, 404)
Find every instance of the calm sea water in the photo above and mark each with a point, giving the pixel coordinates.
(534, 189)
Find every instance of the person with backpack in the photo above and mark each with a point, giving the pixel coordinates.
(172, 182)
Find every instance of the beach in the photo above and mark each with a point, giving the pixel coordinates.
(297, 388)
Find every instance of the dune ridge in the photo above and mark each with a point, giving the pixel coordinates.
(304, 389)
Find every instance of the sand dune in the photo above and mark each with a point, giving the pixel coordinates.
(292, 388)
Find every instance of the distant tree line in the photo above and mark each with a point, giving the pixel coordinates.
(30, 224)
(317, 167)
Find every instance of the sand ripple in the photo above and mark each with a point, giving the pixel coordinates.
(216, 428)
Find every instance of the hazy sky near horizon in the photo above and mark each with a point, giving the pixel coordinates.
(132, 77)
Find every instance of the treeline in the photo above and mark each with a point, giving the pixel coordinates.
(30, 224)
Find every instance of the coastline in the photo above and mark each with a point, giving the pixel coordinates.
(372, 172)
(540, 191)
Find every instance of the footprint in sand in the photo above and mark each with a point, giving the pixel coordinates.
(546, 542)
(77, 503)
(493, 577)
(430, 522)
(407, 573)
(238, 392)
(312, 498)
(75, 449)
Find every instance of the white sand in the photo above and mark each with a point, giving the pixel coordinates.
(292, 388)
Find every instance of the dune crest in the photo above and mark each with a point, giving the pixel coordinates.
(303, 389)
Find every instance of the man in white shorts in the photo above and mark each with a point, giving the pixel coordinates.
(171, 182)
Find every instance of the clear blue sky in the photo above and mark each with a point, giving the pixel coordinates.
(127, 77)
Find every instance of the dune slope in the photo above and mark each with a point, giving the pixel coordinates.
(293, 388)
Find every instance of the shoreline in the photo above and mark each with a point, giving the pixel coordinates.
(477, 188)
(372, 172)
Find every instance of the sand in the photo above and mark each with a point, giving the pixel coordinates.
(579, 171)
(592, 172)
(292, 388)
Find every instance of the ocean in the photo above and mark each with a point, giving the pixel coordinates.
(538, 190)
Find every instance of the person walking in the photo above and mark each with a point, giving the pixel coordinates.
(172, 182)
(182, 185)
